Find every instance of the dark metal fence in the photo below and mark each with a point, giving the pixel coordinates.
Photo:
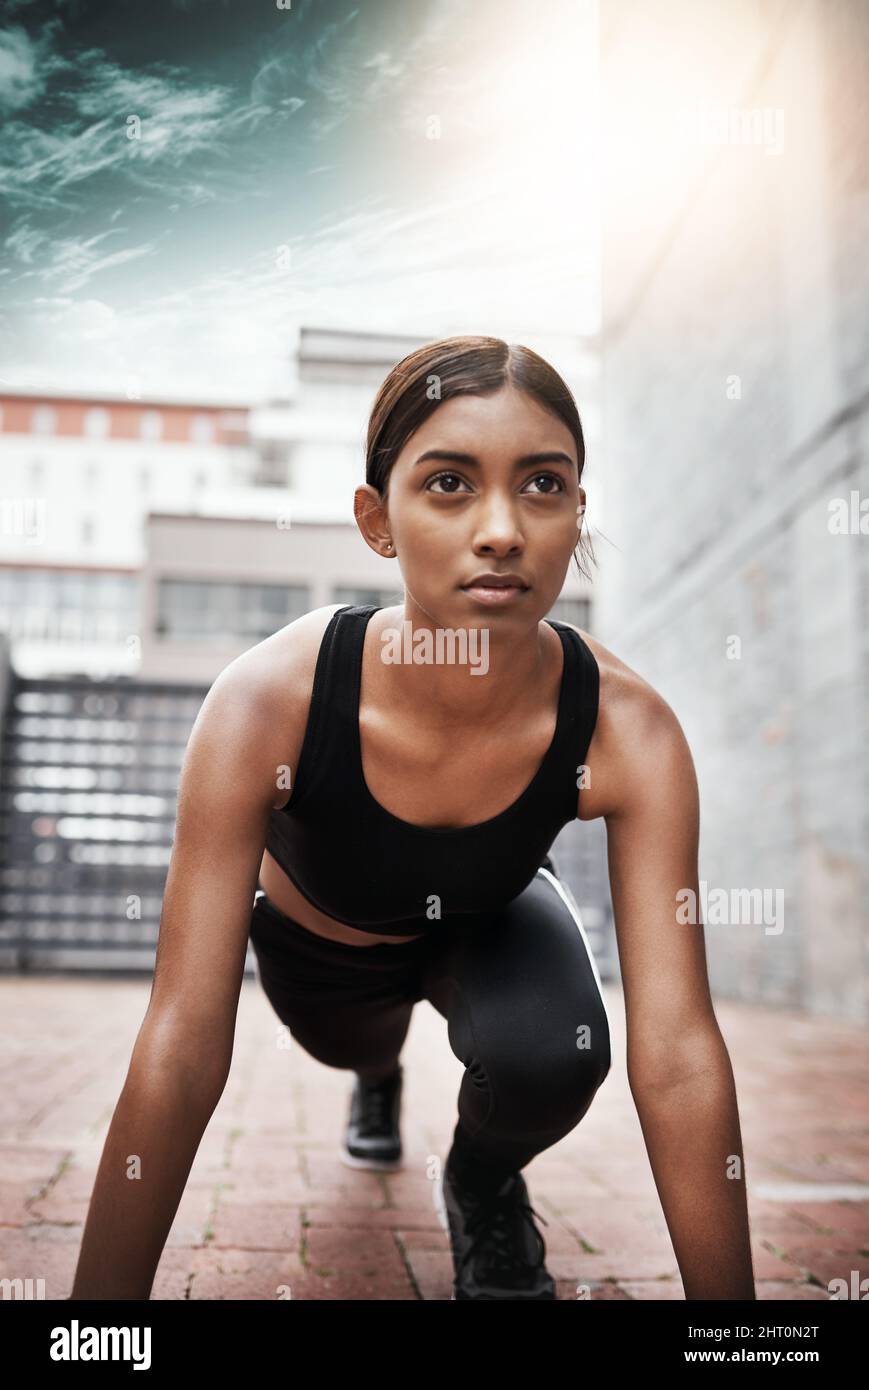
(88, 788)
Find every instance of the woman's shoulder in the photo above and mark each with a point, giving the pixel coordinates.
(637, 734)
(261, 699)
(280, 667)
(622, 689)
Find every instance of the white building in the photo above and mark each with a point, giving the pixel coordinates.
(81, 476)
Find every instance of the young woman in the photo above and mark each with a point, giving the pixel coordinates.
(384, 785)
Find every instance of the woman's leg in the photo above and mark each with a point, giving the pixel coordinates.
(347, 1006)
(526, 1016)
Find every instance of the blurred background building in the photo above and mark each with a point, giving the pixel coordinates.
(161, 538)
(735, 382)
(680, 227)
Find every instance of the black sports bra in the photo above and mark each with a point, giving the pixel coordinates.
(358, 863)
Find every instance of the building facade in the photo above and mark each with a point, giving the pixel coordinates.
(79, 476)
(262, 493)
(736, 441)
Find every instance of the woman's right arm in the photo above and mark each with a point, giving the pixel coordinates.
(181, 1058)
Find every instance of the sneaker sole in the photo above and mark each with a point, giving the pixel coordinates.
(379, 1165)
(439, 1205)
(440, 1208)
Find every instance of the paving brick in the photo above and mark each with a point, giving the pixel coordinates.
(841, 1218)
(269, 1204)
(256, 1226)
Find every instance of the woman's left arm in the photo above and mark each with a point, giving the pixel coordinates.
(678, 1066)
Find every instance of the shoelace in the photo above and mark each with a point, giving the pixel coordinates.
(376, 1100)
(491, 1228)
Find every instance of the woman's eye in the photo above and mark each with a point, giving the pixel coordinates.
(550, 478)
(452, 482)
(439, 478)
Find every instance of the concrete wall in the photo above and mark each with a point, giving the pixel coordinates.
(735, 392)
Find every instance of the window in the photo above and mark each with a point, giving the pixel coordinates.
(202, 429)
(272, 465)
(144, 477)
(96, 423)
(43, 419)
(87, 530)
(36, 474)
(151, 424)
(212, 610)
(68, 605)
(91, 474)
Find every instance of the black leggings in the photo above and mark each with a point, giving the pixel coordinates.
(520, 992)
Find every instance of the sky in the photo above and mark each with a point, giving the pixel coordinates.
(183, 183)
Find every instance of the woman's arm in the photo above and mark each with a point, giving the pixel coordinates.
(182, 1054)
(678, 1066)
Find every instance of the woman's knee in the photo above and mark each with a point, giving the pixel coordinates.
(552, 1085)
(566, 1085)
(593, 1042)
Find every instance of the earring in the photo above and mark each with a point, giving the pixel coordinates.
(388, 545)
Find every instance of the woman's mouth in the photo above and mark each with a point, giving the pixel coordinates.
(495, 594)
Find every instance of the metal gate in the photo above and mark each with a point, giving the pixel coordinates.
(88, 788)
(580, 857)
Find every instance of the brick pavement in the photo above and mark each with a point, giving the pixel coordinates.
(270, 1211)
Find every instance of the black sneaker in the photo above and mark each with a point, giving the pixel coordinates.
(498, 1253)
(372, 1138)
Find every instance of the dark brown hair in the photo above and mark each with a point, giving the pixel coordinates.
(462, 366)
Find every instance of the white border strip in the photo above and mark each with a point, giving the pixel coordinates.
(570, 903)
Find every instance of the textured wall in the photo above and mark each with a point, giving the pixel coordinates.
(735, 389)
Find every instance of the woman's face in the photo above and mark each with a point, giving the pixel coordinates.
(487, 483)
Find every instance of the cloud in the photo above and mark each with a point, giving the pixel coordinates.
(339, 67)
(67, 263)
(25, 66)
(74, 262)
(25, 241)
(142, 126)
(87, 320)
(147, 126)
(463, 232)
